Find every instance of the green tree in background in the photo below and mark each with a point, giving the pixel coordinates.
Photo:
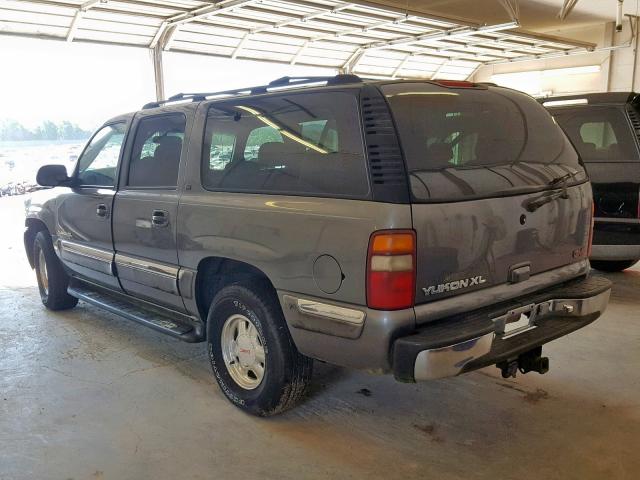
(10, 130)
(47, 131)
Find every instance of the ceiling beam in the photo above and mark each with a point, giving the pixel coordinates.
(513, 9)
(216, 8)
(303, 19)
(456, 32)
(73, 28)
(156, 38)
(171, 25)
(439, 69)
(291, 21)
(567, 53)
(473, 72)
(299, 53)
(352, 62)
(351, 31)
(401, 65)
(363, 29)
(566, 9)
(237, 50)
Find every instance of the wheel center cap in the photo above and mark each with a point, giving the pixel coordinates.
(246, 351)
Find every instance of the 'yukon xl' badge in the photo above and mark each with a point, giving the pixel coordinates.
(455, 285)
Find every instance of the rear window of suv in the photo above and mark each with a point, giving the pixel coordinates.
(599, 133)
(463, 143)
(295, 144)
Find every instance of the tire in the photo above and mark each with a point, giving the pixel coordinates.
(52, 279)
(612, 265)
(286, 373)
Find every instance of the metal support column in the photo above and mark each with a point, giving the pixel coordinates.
(156, 54)
(633, 21)
(607, 64)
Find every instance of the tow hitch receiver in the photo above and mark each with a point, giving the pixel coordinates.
(531, 361)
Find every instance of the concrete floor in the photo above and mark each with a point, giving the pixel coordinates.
(86, 395)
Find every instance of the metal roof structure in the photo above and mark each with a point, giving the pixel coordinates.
(351, 36)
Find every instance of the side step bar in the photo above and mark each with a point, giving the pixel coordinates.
(117, 303)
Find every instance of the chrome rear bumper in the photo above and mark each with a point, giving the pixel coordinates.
(454, 346)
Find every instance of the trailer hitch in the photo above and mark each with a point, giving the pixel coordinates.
(531, 361)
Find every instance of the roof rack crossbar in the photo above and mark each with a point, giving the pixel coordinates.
(282, 82)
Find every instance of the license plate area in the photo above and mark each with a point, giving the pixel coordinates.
(520, 320)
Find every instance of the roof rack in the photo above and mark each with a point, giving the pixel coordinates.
(280, 83)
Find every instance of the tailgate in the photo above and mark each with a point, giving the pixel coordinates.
(498, 191)
(465, 246)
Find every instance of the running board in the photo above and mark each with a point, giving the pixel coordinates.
(115, 303)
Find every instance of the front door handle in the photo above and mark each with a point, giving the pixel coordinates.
(159, 218)
(102, 210)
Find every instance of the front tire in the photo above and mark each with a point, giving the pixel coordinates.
(612, 265)
(52, 279)
(252, 354)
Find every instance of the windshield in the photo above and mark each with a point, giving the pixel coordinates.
(472, 143)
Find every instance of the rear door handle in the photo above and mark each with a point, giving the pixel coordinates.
(159, 218)
(102, 210)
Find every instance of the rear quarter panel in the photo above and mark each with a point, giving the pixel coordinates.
(283, 236)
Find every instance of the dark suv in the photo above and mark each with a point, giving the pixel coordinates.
(416, 227)
(605, 129)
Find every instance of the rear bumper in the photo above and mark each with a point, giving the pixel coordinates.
(616, 239)
(464, 343)
(615, 252)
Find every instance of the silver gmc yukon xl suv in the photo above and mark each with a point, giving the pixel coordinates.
(422, 228)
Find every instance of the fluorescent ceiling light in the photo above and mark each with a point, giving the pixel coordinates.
(562, 103)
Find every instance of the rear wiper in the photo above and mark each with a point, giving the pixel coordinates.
(563, 179)
(533, 205)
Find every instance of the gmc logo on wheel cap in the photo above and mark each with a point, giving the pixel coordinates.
(455, 285)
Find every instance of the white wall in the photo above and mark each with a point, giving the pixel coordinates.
(615, 73)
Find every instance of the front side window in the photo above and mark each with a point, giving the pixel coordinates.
(155, 157)
(295, 144)
(600, 134)
(98, 164)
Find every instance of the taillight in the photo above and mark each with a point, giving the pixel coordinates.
(593, 214)
(391, 269)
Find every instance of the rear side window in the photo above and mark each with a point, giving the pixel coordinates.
(600, 134)
(259, 137)
(462, 143)
(155, 157)
(304, 144)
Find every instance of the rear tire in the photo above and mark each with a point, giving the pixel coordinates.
(253, 357)
(612, 265)
(52, 279)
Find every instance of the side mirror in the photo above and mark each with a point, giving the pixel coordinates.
(52, 176)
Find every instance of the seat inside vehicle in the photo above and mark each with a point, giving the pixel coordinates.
(161, 168)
